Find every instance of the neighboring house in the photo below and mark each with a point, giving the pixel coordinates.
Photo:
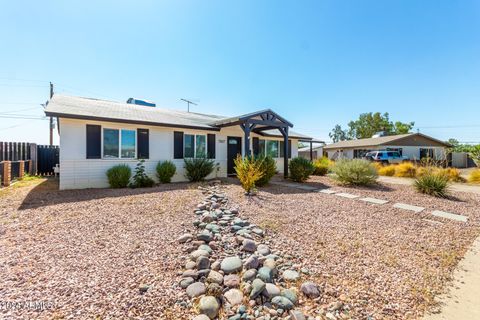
(414, 146)
(98, 134)
(315, 152)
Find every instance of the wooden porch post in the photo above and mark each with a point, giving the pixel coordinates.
(285, 152)
(311, 151)
(246, 130)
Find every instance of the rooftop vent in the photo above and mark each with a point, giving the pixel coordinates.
(380, 134)
(141, 102)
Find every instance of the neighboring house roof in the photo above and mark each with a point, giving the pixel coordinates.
(408, 139)
(307, 148)
(64, 106)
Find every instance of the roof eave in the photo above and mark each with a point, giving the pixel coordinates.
(149, 123)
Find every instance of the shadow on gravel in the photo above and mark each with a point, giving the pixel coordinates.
(47, 193)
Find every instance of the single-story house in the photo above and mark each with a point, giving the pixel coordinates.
(98, 134)
(414, 146)
(311, 152)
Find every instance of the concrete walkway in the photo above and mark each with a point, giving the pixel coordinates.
(460, 187)
(463, 299)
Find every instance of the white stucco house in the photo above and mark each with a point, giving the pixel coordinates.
(413, 146)
(98, 134)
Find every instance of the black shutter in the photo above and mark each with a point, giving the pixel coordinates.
(289, 149)
(178, 145)
(281, 148)
(211, 145)
(255, 146)
(143, 144)
(94, 143)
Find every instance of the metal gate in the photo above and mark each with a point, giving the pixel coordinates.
(47, 158)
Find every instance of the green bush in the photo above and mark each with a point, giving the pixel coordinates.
(196, 169)
(119, 176)
(165, 171)
(432, 183)
(300, 169)
(355, 172)
(140, 178)
(321, 165)
(249, 172)
(268, 167)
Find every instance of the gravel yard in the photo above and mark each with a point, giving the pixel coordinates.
(89, 252)
(385, 263)
(86, 253)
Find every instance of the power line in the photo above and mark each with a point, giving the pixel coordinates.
(13, 111)
(22, 85)
(19, 116)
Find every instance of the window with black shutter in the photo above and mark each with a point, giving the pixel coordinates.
(211, 146)
(94, 143)
(178, 145)
(143, 143)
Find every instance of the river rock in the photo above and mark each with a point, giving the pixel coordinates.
(185, 282)
(231, 265)
(282, 303)
(215, 277)
(257, 288)
(265, 274)
(209, 306)
(231, 281)
(196, 289)
(185, 238)
(252, 262)
(271, 291)
(249, 275)
(234, 296)
(263, 249)
(310, 290)
(249, 245)
(203, 263)
(290, 275)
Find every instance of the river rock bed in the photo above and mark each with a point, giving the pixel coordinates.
(231, 272)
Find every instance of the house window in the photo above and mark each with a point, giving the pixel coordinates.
(194, 146)
(261, 146)
(272, 148)
(119, 143)
(128, 144)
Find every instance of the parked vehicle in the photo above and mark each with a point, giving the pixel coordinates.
(385, 156)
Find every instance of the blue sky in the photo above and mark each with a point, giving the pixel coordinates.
(317, 63)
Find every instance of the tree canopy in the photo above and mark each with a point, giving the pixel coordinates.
(367, 125)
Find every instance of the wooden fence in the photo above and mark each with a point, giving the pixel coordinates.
(19, 158)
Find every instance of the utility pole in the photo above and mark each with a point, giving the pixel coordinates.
(51, 118)
(188, 104)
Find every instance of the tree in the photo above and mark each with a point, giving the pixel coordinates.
(370, 123)
(337, 134)
(453, 142)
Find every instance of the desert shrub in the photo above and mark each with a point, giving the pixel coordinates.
(118, 176)
(249, 171)
(474, 176)
(197, 169)
(300, 169)
(268, 167)
(452, 174)
(355, 172)
(321, 166)
(432, 183)
(405, 169)
(165, 171)
(377, 165)
(386, 170)
(140, 178)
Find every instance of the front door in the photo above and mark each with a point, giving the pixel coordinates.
(234, 147)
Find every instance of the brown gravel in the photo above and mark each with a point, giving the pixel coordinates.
(88, 251)
(385, 263)
(85, 253)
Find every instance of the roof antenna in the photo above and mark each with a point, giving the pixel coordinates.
(188, 104)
